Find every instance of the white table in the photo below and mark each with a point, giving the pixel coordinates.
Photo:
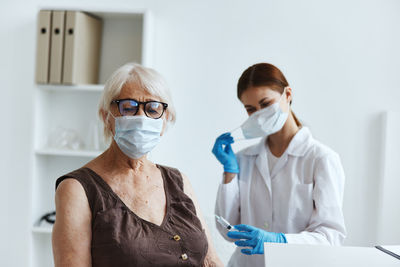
(290, 255)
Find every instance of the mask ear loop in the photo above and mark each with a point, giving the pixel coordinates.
(234, 130)
(284, 92)
(109, 113)
(108, 116)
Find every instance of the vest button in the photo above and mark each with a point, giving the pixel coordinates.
(184, 256)
(177, 237)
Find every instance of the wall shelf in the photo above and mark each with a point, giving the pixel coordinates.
(68, 153)
(73, 88)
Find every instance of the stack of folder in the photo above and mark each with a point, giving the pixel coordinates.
(68, 47)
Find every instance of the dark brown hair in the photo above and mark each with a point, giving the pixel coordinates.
(263, 74)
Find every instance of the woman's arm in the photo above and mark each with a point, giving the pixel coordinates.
(212, 258)
(72, 230)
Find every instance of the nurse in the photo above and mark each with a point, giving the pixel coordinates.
(288, 188)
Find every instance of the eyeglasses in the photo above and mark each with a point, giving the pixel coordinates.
(130, 107)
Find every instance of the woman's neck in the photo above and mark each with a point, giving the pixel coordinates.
(114, 158)
(279, 141)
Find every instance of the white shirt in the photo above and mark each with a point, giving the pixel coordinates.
(272, 160)
(302, 197)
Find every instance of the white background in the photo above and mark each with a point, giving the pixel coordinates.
(340, 57)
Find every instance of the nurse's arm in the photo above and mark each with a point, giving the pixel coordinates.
(326, 225)
(212, 258)
(72, 230)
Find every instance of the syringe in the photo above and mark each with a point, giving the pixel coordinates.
(223, 222)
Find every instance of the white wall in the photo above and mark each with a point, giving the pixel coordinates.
(341, 58)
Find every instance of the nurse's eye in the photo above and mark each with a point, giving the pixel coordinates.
(250, 110)
(265, 104)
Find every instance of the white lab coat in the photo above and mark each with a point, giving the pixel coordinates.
(301, 198)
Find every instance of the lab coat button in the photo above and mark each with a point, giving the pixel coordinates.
(177, 237)
(184, 256)
(266, 225)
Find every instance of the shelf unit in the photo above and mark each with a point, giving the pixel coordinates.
(126, 38)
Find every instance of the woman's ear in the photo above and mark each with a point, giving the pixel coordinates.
(289, 95)
(103, 115)
(106, 120)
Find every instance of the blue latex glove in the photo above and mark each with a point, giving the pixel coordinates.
(223, 151)
(254, 237)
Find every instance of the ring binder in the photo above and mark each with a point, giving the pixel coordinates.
(43, 46)
(82, 48)
(57, 47)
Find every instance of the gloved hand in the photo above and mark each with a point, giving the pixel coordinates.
(254, 237)
(223, 151)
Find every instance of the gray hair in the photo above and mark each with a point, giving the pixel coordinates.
(149, 79)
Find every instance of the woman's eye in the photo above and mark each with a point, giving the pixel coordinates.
(130, 109)
(152, 111)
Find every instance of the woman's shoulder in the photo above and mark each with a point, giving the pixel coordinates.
(71, 199)
(172, 175)
(82, 180)
(70, 190)
(168, 169)
(81, 176)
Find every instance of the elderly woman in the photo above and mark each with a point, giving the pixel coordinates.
(121, 209)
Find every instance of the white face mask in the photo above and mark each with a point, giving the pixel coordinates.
(266, 121)
(137, 135)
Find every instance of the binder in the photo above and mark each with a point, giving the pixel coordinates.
(43, 46)
(82, 48)
(57, 47)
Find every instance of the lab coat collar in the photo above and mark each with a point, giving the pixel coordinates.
(300, 143)
(297, 147)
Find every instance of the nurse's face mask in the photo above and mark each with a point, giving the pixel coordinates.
(138, 135)
(266, 121)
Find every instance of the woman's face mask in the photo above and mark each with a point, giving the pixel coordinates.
(137, 135)
(266, 121)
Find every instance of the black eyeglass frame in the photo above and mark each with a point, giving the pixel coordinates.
(165, 106)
